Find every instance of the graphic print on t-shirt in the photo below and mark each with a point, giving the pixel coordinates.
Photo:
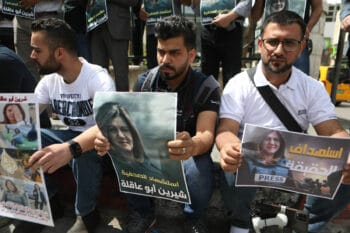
(73, 109)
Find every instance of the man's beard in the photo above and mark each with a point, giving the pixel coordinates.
(49, 70)
(175, 75)
(281, 70)
(51, 66)
(167, 76)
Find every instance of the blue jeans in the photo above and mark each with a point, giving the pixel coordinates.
(199, 173)
(87, 171)
(303, 61)
(237, 200)
(322, 210)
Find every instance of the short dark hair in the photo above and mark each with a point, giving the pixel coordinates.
(284, 17)
(174, 26)
(59, 33)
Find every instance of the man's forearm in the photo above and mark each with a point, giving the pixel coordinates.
(223, 138)
(86, 138)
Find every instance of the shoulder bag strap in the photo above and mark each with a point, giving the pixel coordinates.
(147, 83)
(275, 104)
(207, 87)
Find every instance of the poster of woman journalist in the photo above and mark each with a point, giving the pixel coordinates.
(138, 127)
(291, 161)
(298, 6)
(19, 139)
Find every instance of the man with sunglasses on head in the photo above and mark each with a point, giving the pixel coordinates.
(280, 43)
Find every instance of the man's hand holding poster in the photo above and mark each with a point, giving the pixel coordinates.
(292, 161)
(138, 127)
(23, 194)
(211, 8)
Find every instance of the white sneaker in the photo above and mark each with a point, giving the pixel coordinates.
(78, 227)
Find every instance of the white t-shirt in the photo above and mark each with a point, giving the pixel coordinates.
(304, 97)
(73, 102)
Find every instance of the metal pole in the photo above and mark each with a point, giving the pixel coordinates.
(337, 67)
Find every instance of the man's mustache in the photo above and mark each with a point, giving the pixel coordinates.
(167, 66)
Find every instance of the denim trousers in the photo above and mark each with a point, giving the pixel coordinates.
(87, 171)
(322, 210)
(199, 173)
(239, 199)
(303, 61)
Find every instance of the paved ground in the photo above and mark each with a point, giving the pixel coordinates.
(169, 213)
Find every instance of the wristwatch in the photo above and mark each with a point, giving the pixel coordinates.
(75, 149)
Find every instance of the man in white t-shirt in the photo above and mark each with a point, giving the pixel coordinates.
(280, 43)
(22, 27)
(69, 86)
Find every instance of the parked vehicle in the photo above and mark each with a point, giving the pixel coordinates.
(327, 75)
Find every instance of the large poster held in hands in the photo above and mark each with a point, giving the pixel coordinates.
(96, 14)
(292, 161)
(23, 191)
(138, 127)
(298, 6)
(209, 9)
(158, 9)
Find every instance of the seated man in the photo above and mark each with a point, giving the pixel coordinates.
(195, 124)
(69, 85)
(280, 43)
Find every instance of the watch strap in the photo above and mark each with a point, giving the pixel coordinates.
(75, 149)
